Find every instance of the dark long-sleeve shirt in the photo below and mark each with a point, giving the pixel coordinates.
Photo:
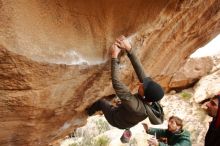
(212, 137)
(121, 89)
(132, 110)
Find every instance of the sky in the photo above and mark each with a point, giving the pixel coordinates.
(212, 48)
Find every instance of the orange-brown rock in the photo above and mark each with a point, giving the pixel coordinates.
(192, 71)
(42, 100)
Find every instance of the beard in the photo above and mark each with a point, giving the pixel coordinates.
(211, 114)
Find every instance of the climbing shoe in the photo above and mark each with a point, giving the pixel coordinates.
(125, 138)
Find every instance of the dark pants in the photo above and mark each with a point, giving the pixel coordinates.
(106, 108)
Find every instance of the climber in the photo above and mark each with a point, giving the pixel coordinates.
(212, 137)
(134, 107)
(174, 135)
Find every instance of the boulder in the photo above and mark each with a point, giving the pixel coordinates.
(207, 87)
(191, 72)
(54, 56)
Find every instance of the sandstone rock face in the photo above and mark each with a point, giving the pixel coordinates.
(192, 71)
(41, 102)
(56, 30)
(54, 56)
(207, 87)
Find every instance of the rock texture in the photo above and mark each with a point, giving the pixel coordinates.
(42, 99)
(192, 71)
(207, 87)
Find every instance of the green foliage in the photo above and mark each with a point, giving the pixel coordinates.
(87, 137)
(102, 141)
(133, 142)
(102, 125)
(73, 144)
(86, 141)
(91, 141)
(185, 95)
